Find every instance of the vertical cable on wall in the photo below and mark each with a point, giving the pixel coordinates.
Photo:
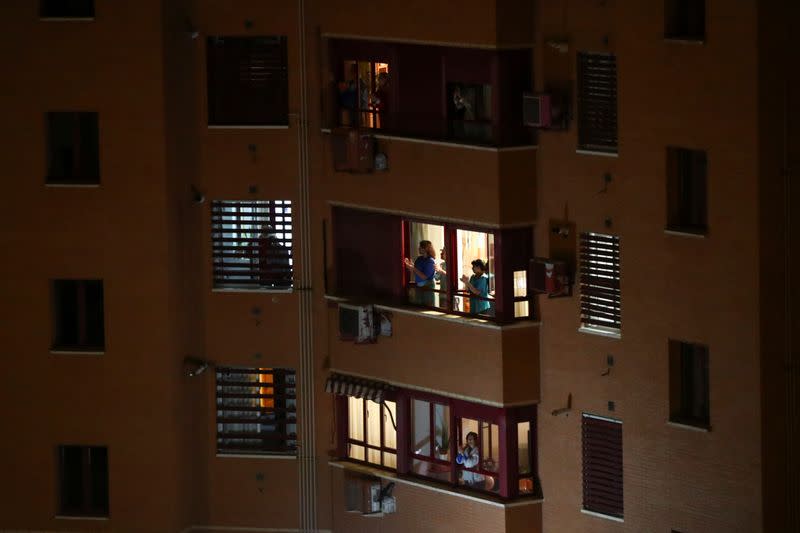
(307, 453)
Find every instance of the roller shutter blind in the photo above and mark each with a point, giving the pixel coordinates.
(602, 466)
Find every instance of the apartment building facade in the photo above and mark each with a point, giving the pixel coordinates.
(324, 266)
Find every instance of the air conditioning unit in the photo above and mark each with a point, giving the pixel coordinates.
(353, 150)
(536, 110)
(357, 323)
(550, 277)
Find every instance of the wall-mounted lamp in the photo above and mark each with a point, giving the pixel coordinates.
(562, 410)
(194, 366)
(197, 197)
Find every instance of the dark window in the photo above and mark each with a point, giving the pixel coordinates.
(686, 190)
(688, 378)
(597, 102)
(252, 243)
(66, 8)
(600, 276)
(83, 480)
(72, 148)
(78, 322)
(602, 466)
(372, 431)
(248, 81)
(685, 19)
(256, 410)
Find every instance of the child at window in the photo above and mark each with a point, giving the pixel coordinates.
(478, 286)
(424, 269)
(470, 457)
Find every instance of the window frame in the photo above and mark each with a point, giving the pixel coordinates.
(88, 507)
(382, 448)
(506, 419)
(676, 18)
(372, 117)
(612, 479)
(225, 109)
(44, 15)
(502, 308)
(595, 109)
(280, 406)
(601, 297)
(685, 397)
(58, 288)
(687, 190)
(85, 130)
(240, 241)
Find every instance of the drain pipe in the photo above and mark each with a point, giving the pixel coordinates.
(306, 451)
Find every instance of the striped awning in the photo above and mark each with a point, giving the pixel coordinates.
(357, 387)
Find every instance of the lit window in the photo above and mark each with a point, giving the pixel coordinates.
(256, 411)
(372, 431)
(600, 282)
(521, 308)
(252, 243)
(364, 94)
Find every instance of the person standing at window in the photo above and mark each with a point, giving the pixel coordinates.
(478, 286)
(424, 269)
(469, 456)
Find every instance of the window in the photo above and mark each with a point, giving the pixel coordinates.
(479, 463)
(248, 83)
(78, 322)
(469, 111)
(526, 458)
(83, 480)
(686, 190)
(252, 243)
(446, 290)
(597, 102)
(256, 411)
(688, 384)
(364, 94)
(685, 19)
(430, 437)
(66, 8)
(602, 466)
(372, 431)
(600, 287)
(72, 148)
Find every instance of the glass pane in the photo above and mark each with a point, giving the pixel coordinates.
(389, 431)
(490, 439)
(355, 452)
(355, 418)
(373, 456)
(389, 460)
(373, 423)
(524, 447)
(421, 422)
(426, 242)
(520, 284)
(431, 470)
(526, 485)
(441, 428)
(521, 309)
(472, 246)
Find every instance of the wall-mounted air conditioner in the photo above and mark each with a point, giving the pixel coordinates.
(353, 150)
(536, 110)
(357, 323)
(550, 277)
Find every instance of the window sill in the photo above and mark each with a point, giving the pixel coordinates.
(250, 127)
(240, 290)
(684, 40)
(450, 144)
(681, 232)
(70, 517)
(603, 516)
(690, 427)
(435, 487)
(73, 185)
(56, 351)
(584, 151)
(254, 456)
(66, 19)
(439, 315)
(603, 332)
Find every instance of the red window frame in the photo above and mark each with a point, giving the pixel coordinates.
(502, 260)
(508, 478)
(382, 447)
